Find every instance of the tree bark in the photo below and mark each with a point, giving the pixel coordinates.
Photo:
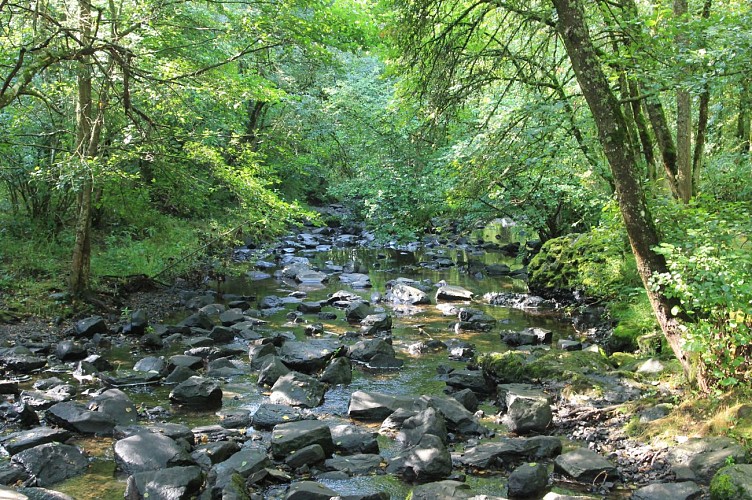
(684, 175)
(622, 157)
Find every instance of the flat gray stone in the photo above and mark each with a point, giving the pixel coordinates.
(670, 491)
(584, 465)
(292, 436)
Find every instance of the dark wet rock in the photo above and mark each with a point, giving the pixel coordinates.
(401, 293)
(466, 398)
(357, 311)
(198, 342)
(450, 292)
(197, 392)
(192, 362)
(337, 372)
(327, 316)
(365, 350)
(21, 363)
(460, 350)
(269, 415)
(427, 461)
(519, 301)
(210, 454)
(224, 368)
(174, 483)
(179, 374)
(298, 389)
(36, 493)
(528, 336)
(307, 455)
(342, 298)
(569, 345)
(376, 406)
(115, 404)
(310, 490)
(474, 320)
(221, 334)
(385, 362)
(292, 436)
(393, 423)
(375, 323)
(126, 378)
(700, 458)
(585, 465)
(351, 439)
(19, 441)
(137, 323)
(310, 356)
(489, 455)
(528, 480)
(355, 465)
(89, 326)
(151, 364)
(271, 370)
(149, 451)
(52, 462)
(11, 473)
(356, 280)
(469, 379)
(198, 320)
(684, 491)
(441, 490)
(99, 363)
(258, 352)
(9, 387)
(77, 417)
(457, 417)
(527, 409)
(69, 350)
(18, 413)
(231, 317)
(173, 431)
(309, 307)
(234, 418)
(242, 464)
(498, 270)
(151, 341)
(427, 421)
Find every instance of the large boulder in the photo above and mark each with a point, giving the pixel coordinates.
(528, 480)
(401, 293)
(243, 463)
(117, 405)
(429, 460)
(352, 440)
(700, 458)
(269, 415)
(52, 462)
(292, 436)
(428, 421)
(337, 372)
(732, 482)
(19, 441)
(197, 392)
(375, 406)
(78, 418)
(585, 465)
(175, 483)
(310, 356)
(298, 389)
(148, 451)
(451, 292)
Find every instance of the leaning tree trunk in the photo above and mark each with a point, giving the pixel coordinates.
(622, 158)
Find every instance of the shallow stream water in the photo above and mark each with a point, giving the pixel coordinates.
(410, 325)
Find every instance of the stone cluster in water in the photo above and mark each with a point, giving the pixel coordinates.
(282, 449)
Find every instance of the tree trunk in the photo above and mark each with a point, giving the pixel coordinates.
(702, 121)
(85, 149)
(743, 119)
(622, 158)
(683, 120)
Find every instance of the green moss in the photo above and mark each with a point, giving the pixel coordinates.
(557, 365)
(729, 484)
(505, 367)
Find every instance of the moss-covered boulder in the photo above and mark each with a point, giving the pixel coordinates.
(733, 482)
(597, 264)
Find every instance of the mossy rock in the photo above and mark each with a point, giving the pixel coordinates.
(558, 365)
(503, 367)
(733, 482)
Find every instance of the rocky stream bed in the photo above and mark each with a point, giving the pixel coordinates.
(337, 370)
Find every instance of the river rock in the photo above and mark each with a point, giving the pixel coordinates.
(450, 292)
(356, 280)
(18, 413)
(78, 418)
(680, 491)
(569, 345)
(469, 379)
(19, 441)
(44, 400)
(148, 451)
(69, 350)
(224, 368)
(489, 455)
(52, 462)
(355, 465)
(528, 480)
(337, 372)
(11, 473)
(310, 490)
(375, 406)
(258, 352)
(115, 404)
(307, 455)
(428, 421)
(292, 436)
(519, 301)
(528, 336)
(210, 454)
(268, 415)
(585, 465)
(375, 323)
(125, 378)
(731, 482)
(298, 389)
(351, 439)
(243, 463)
(309, 356)
(174, 483)
(401, 293)
(466, 398)
(441, 490)
(178, 375)
(311, 277)
(427, 461)
(151, 364)
(198, 320)
(137, 323)
(197, 392)
(271, 370)
(365, 350)
(526, 410)
(357, 311)
(458, 418)
(90, 326)
(14, 361)
(700, 458)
